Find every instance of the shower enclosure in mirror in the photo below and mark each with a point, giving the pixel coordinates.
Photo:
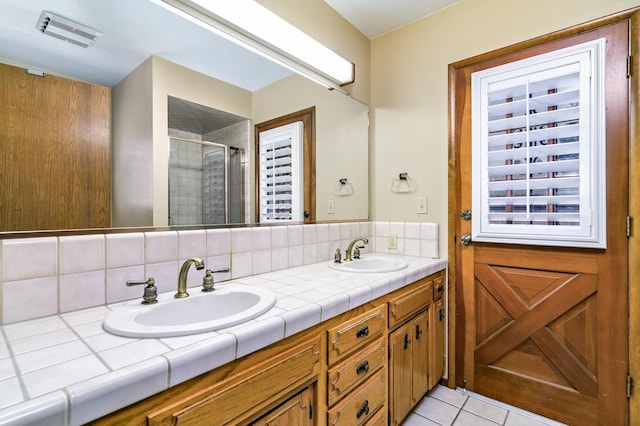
(206, 164)
(205, 183)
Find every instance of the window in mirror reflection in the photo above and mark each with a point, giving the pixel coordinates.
(285, 168)
(281, 192)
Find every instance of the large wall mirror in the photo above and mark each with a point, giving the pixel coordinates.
(177, 86)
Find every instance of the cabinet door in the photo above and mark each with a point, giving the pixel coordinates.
(296, 411)
(420, 357)
(436, 335)
(400, 373)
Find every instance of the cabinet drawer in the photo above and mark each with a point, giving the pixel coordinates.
(354, 370)
(362, 404)
(438, 287)
(219, 404)
(378, 419)
(356, 333)
(402, 307)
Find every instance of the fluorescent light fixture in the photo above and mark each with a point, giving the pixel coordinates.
(250, 23)
(67, 30)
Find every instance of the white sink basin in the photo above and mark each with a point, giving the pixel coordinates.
(370, 264)
(198, 313)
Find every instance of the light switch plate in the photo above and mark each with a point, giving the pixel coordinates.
(331, 207)
(421, 204)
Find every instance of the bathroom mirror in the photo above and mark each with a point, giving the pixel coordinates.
(246, 85)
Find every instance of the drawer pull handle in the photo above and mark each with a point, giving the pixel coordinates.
(364, 409)
(440, 288)
(363, 368)
(363, 332)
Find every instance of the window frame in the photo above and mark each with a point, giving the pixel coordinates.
(591, 229)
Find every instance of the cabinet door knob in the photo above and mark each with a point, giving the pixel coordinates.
(406, 340)
(418, 331)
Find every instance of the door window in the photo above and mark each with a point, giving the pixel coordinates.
(539, 149)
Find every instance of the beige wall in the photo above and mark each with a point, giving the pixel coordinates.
(136, 141)
(342, 126)
(409, 94)
(318, 20)
(132, 149)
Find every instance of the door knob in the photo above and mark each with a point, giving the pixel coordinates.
(465, 239)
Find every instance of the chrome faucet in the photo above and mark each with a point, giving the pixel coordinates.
(349, 252)
(182, 277)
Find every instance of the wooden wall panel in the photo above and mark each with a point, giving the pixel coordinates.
(55, 152)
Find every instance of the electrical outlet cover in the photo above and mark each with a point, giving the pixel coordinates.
(392, 241)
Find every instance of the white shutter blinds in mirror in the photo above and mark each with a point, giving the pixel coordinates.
(281, 191)
(538, 150)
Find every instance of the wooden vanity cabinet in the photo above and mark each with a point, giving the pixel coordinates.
(436, 339)
(297, 410)
(409, 349)
(356, 376)
(367, 366)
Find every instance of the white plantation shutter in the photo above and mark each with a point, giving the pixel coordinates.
(538, 150)
(281, 190)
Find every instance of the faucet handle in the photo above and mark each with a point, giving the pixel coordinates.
(337, 258)
(207, 281)
(150, 295)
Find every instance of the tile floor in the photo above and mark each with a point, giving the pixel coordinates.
(448, 407)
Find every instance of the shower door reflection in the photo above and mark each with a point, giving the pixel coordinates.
(205, 183)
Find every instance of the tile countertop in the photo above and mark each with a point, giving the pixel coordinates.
(66, 370)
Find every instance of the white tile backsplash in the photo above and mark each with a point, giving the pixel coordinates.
(23, 300)
(29, 258)
(48, 275)
(192, 244)
(125, 249)
(82, 290)
(161, 246)
(261, 238)
(117, 290)
(218, 242)
(82, 253)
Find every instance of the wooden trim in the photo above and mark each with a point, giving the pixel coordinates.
(634, 212)
(308, 118)
(554, 36)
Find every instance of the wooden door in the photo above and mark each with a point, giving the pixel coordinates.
(55, 152)
(545, 328)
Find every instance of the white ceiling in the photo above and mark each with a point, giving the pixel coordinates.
(132, 31)
(135, 29)
(376, 17)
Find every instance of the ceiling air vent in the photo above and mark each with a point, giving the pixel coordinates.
(67, 30)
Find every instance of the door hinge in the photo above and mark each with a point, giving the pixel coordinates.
(629, 66)
(629, 386)
(628, 226)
